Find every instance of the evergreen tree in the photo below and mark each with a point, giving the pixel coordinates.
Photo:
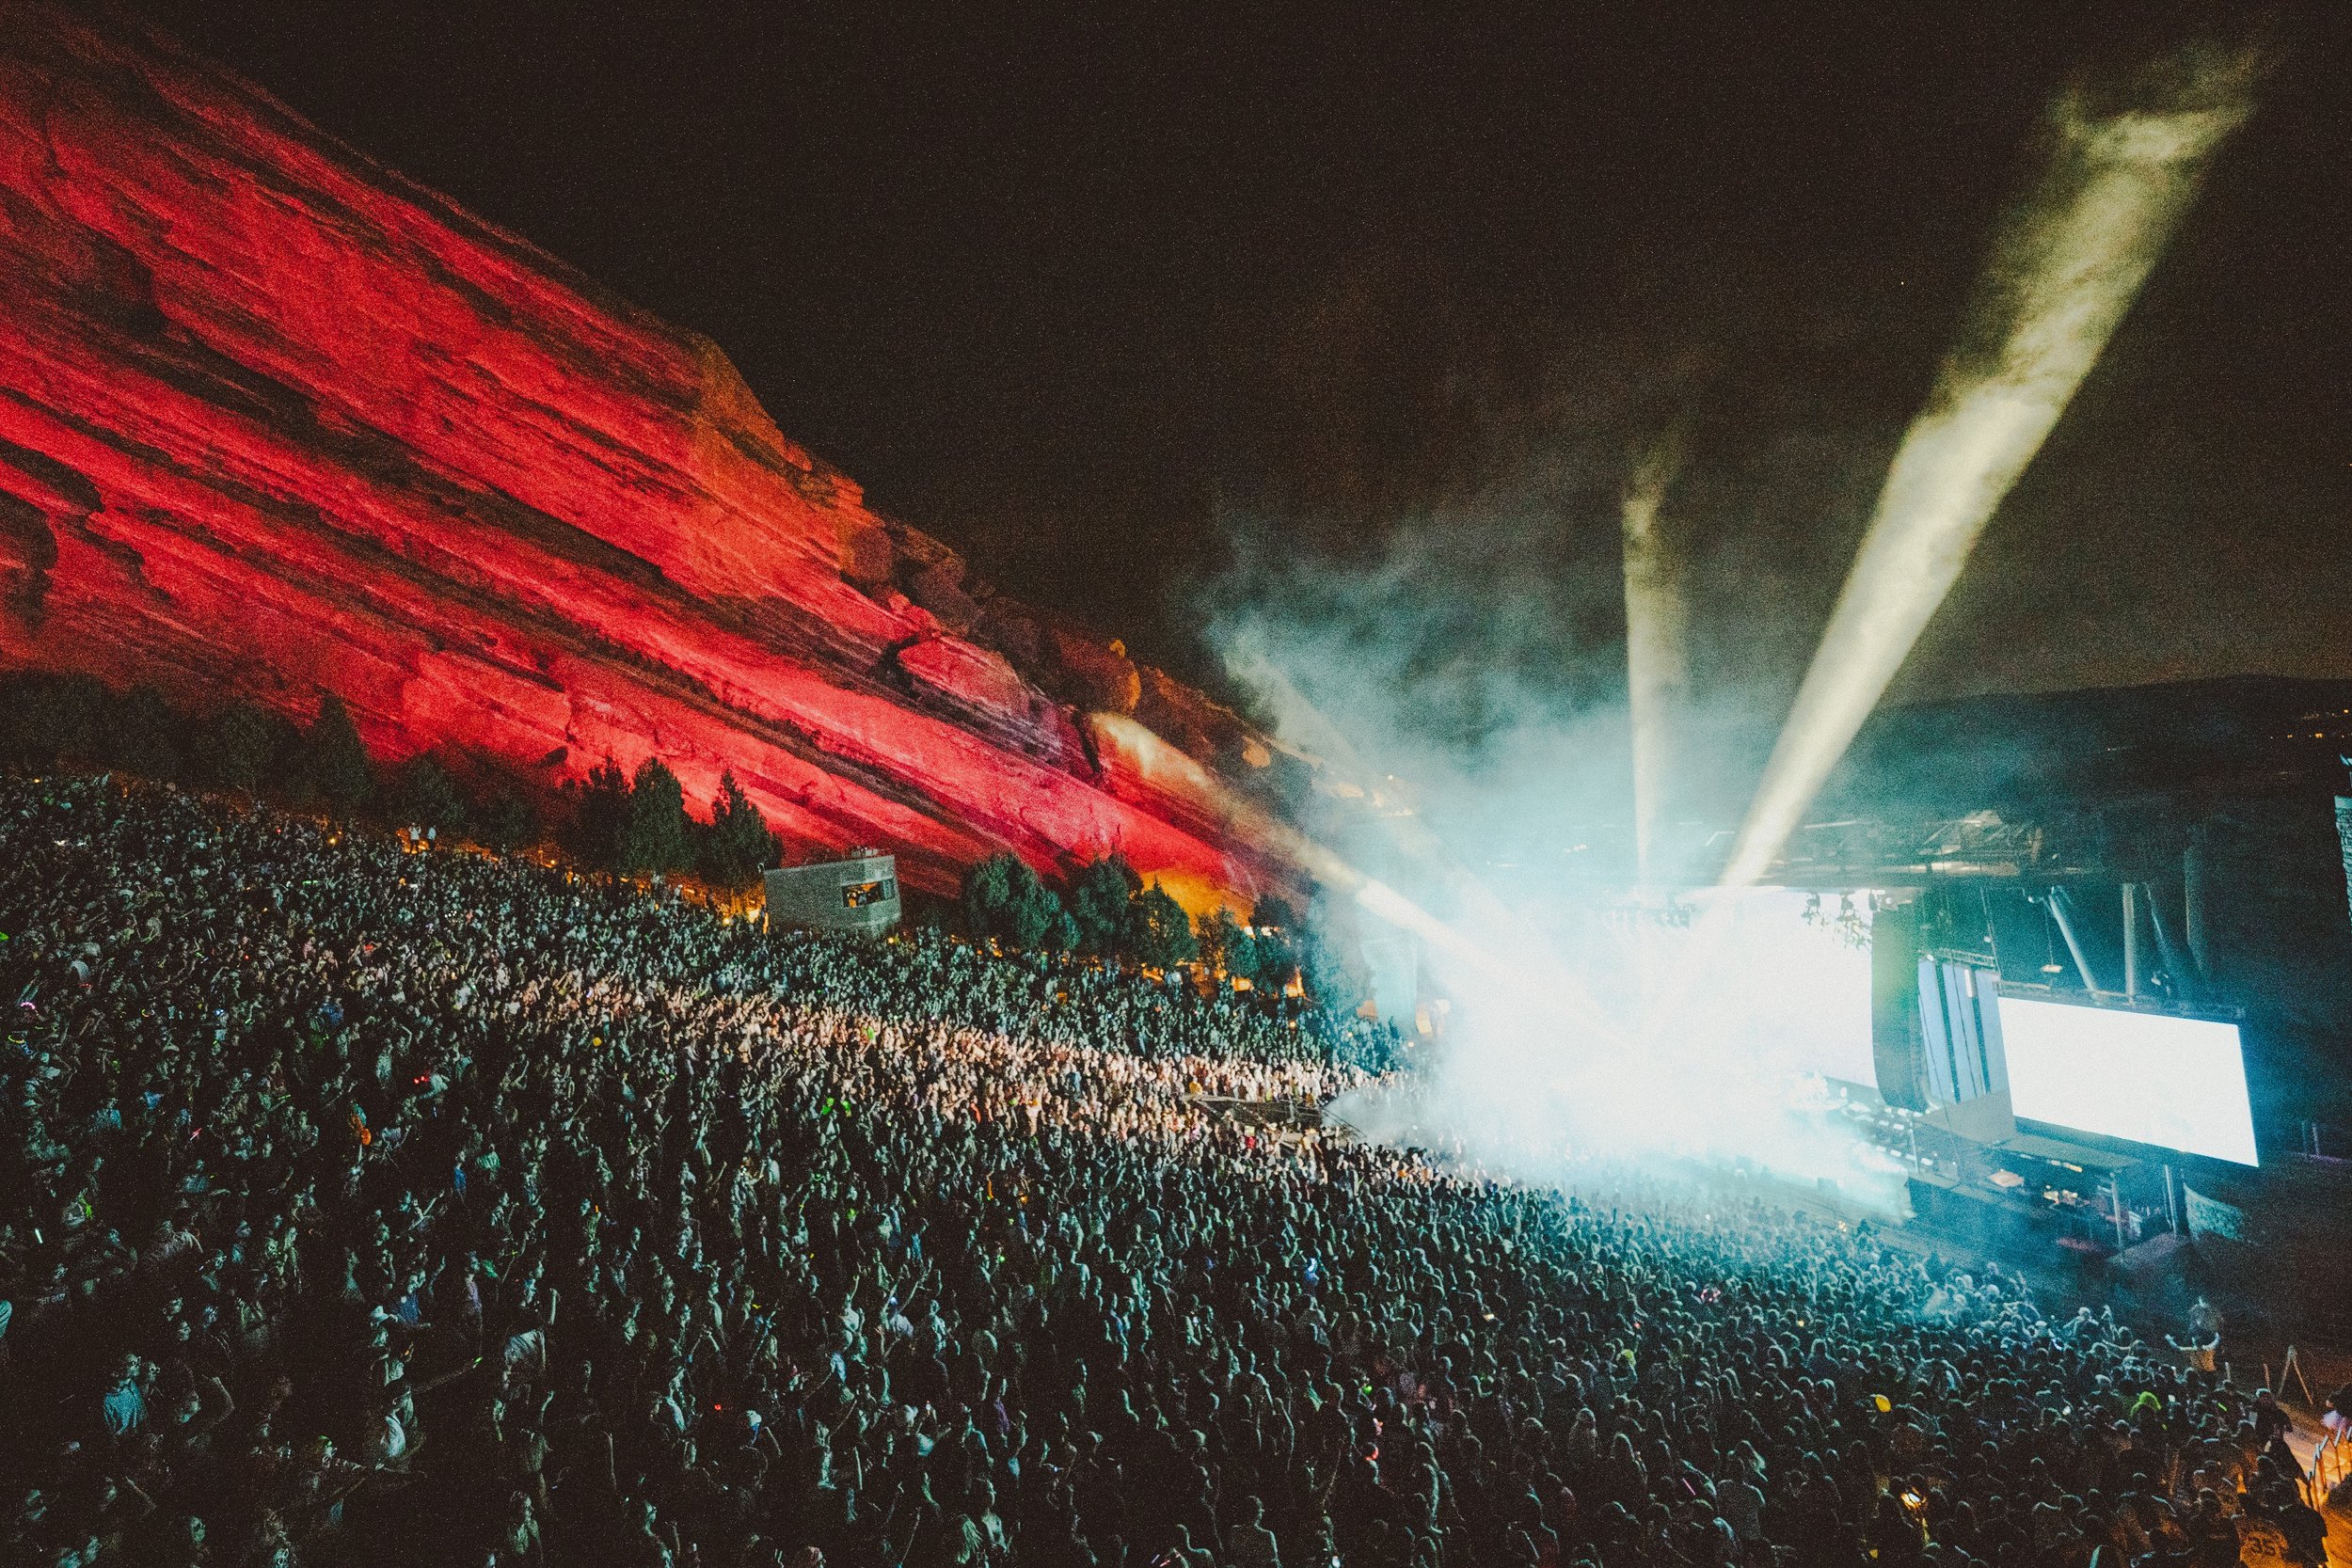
(507, 820)
(988, 896)
(1224, 945)
(1003, 899)
(1041, 922)
(1161, 932)
(338, 761)
(427, 797)
(737, 846)
(290, 775)
(1331, 962)
(599, 804)
(147, 735)
(1102, 896)
(1273, 944)
(236, 745)
(46, 719)
(1274, 914)
(51, 719)
(656, 833)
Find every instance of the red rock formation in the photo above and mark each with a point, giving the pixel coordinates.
(274, 422)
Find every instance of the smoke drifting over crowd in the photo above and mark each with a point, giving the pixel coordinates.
(1506, 857)
(1498, 755)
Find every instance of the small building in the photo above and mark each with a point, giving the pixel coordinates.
(858, 892)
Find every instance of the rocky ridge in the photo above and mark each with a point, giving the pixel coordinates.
(276, 421)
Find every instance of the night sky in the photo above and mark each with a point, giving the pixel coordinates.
(1086, 295)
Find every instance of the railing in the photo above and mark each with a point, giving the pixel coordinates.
(2331, 1463)
(2329, 1143)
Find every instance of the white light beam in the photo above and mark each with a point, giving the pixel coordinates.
(2069, 264)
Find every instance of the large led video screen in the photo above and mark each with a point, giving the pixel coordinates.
(2175, 1083)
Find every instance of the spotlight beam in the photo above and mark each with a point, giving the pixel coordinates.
(1657, 666)
(2070, 262)
(1494, 954)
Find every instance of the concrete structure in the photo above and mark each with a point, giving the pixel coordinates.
(859, 893)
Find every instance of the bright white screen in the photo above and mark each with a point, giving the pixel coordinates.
(2176, 1083)
(1781, 995)
(1783, 989)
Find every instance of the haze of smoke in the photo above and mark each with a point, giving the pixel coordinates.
(1443, 663)
(1473, 710)
(2069, 266)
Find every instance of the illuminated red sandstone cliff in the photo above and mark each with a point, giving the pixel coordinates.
(274, 422)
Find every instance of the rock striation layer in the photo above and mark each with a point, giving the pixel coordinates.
(276, 421)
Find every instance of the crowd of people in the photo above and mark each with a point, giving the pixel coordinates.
(929, 976)
(359, 1205)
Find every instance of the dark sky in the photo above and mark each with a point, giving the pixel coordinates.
(1078, 292)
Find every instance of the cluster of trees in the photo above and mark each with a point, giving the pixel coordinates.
(1266, 952)
(613, 821)
(1110, 913)
(636, 824)
(48, 720)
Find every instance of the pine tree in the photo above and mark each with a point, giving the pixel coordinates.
(736, 845)
(988, 898)
(1273, 944)
(656, 833)
(1100, 900)
(52, 719)
(1041, 922)
(145, 735)
(427, 797)
(1224, 945)
(599, 810)
(338, 761)
(1161, 932)
(508, 821)
(1330, 966)
(236, 745)
(1003, 899)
